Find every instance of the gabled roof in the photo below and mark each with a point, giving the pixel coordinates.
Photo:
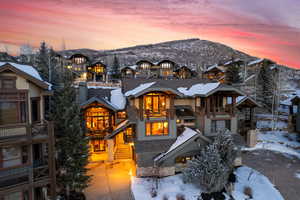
(187, 87)
(188, 135)
(149, 87)
(121, 127)
(215, 67)
(246, 99)
(99, 100)
(237, 60)
(26, 71)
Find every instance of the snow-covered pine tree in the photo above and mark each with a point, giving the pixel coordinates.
(265, 85)
(232, 74)
(207, 170)
(115, 73)
(71, 144)
(43, 61)
(226, 147)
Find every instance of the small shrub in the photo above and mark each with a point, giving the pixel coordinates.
(180, 197)
(153, 193)
(248, 192)
(165, 197)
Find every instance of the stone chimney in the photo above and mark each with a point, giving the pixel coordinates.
(82, 92)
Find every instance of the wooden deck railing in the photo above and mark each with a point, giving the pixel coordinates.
(17, 130)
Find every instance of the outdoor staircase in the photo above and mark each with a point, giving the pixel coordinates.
(123, 152)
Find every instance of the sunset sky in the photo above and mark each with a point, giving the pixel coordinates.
(263, 28)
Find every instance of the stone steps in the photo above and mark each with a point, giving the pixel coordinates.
(123, 153)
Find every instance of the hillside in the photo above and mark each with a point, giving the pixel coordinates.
(192, 52)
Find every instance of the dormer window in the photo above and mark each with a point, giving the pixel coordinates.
(79, 60)
(166, 65)
(145, 66)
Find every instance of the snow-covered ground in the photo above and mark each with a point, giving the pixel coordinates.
(172, 186)
(279, 141)
(262, 188)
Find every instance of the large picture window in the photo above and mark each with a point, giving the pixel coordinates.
(97, 119)
(155, 104)
(157, 128)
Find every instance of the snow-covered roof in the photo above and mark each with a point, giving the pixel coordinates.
(27, 69)
(199, 89)
(184, 137)
(133, 67)
(232, 61)
(117, 98)
(288, 101)
(139, 89)
(250, 77)
(241, 99)
(255, 61)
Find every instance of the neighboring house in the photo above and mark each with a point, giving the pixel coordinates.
(295, 114)
(215, 72)
(27, 165)
(165, 69)
(161, 123)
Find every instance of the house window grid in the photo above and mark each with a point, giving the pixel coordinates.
(155, 105)
(162, 128)
(97, 120)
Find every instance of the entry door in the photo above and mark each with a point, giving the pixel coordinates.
(120, 138)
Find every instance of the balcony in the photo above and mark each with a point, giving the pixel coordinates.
(167, 113)
(14, 176)
(37, 130)
(7, 131)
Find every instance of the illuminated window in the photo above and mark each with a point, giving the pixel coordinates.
(99, 68)
(98, 145)
(166, 65)
(97, 119)
(145, 65)
(121, 115)
(157, 128)
(183, 159)
(129, 132)
(155, 104)
(79, 60)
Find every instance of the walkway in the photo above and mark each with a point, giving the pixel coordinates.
(110, 181)
(279, 168)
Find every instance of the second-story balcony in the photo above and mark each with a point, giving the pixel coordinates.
(36, 130)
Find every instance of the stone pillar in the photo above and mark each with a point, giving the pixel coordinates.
(251, 138)
(110, 147)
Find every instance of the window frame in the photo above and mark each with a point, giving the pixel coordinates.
(156, 98)
(150, 134)
(8, 78)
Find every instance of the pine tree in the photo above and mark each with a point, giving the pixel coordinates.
(115, 68)
(232, 74)
(266, 85)
(211, 169)
(42, 61)
(207, 170)
(72, 144)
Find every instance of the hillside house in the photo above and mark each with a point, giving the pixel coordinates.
(27, 165)
(158, 122)
(165, 69)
